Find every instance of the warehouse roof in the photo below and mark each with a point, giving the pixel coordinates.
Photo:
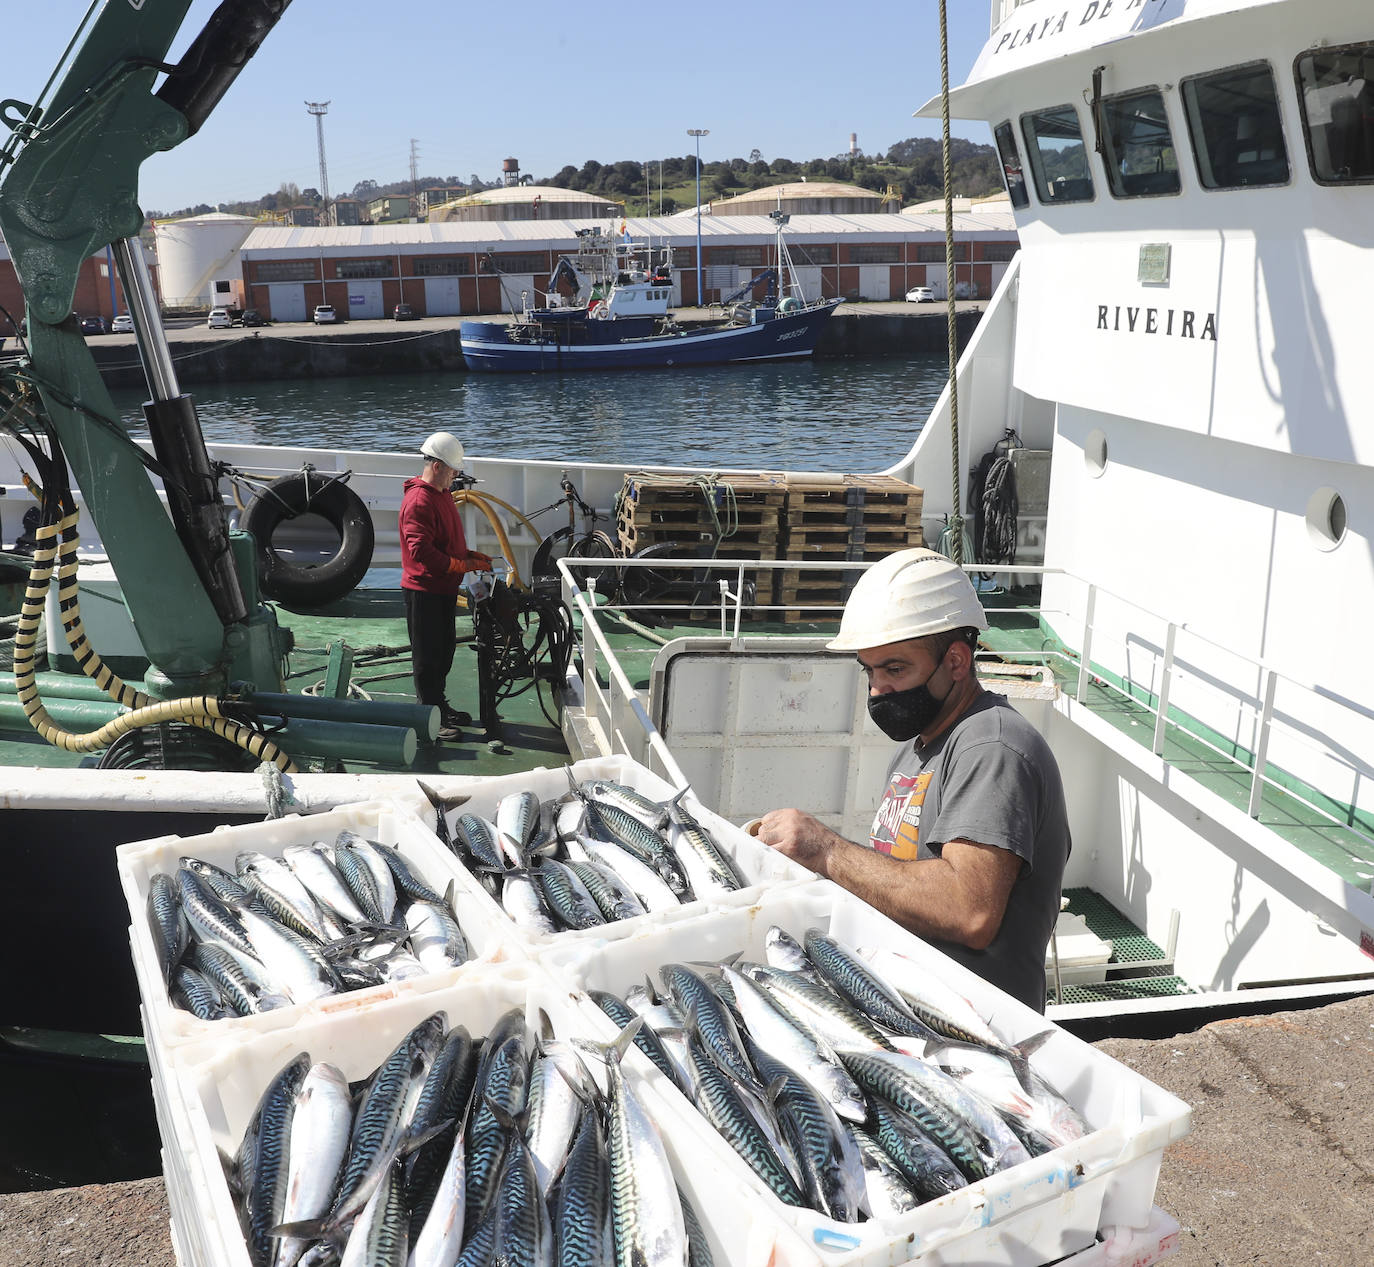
(560, 235)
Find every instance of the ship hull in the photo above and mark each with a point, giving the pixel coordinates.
(489, 347)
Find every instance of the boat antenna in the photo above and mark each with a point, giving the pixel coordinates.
(956, 519)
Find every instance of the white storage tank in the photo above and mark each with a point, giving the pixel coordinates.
(193, 252)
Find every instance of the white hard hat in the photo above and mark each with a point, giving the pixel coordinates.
(446, 448)
(909, 594)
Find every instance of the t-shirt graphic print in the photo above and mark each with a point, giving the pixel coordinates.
(897, 825)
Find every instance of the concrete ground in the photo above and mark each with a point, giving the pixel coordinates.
(1278, 1167)
(182, 329)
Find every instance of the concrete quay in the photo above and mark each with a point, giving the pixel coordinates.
(299, 349)
(1278, 1167)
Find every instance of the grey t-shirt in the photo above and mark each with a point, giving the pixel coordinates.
(991, 779)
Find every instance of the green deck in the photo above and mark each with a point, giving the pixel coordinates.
(1130, 947)
(373, 624)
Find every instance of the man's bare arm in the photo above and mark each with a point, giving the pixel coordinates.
(960, 896)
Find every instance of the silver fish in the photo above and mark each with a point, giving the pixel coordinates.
(380, 1236)
(435, 936)
(360, 848)
(286, 897)
(651, 889)
(810, 1058)
(318, 1143)
(314, 865)
(645, 1210)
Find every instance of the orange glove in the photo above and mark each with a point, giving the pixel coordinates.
(472, 561)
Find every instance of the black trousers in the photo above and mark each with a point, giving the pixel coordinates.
(431, 622)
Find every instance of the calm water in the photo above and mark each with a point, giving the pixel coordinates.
(856, 415)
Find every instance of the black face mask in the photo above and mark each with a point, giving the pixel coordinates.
(902, 715)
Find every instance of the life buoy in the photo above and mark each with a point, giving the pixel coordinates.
(597, 309)
(310, 493)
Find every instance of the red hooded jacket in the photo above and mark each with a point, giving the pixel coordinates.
(434, 549)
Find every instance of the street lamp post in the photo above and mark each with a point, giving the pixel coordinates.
(699, 133)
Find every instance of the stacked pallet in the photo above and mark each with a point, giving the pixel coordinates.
(687, 510)
(733, 516)
(841, 518)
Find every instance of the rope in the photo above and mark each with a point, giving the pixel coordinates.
(956, 521)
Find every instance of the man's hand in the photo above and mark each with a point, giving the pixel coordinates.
(478, 562)
(802, 838)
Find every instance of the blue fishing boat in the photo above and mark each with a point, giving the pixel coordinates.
(607, 307)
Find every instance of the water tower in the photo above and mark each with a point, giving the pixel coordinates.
(510, 171)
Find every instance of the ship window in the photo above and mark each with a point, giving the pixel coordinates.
(1058, 159)
(1233, 118)
(1337, 96)
(1138, 150)
(1011, 165)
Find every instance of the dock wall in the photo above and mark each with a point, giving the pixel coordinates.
(292, 353)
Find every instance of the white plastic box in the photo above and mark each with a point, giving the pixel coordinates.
(220, 1086)
(1031, 1214)
(758, 864)
(167, 1027)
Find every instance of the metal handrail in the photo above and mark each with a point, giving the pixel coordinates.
(733, 606)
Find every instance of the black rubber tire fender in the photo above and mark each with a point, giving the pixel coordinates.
(292, 495)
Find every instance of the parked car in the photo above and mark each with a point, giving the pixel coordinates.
(218, 319)
(93, 325)
(122, 324)
(324, 314)
(404, 312)
(252, 317)
(920, 295)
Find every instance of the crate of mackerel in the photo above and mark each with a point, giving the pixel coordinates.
(480, 1122)
(602, 849)
(244, 927)
(880, 1098)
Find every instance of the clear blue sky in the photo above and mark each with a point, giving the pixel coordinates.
(548, 82)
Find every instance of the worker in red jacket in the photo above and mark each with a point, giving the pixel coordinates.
(434, 559)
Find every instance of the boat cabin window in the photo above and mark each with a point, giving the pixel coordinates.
(1137, 147)
(1337, 96)
(1011, 165)
(1233, 118)
(1058, 159)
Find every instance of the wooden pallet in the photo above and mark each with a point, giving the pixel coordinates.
(653, 509)
(821, 509)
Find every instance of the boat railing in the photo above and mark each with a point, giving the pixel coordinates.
(1255, 720)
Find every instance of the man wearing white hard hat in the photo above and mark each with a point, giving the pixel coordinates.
(434, 559)
(969, 844)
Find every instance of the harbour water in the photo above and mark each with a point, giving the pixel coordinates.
(845, 415)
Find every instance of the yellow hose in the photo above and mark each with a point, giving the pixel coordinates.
(481, 501)
(202, 711)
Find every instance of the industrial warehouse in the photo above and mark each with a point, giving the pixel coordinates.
(494, 252)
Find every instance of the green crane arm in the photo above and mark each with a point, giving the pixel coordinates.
(71, 189)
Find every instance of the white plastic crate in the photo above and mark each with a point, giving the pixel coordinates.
(219, 1087)
(167, 1027)
(1031, 1214)
(759, 864)
(1132, 1246)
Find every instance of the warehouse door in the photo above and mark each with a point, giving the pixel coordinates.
(809, 279)
(517, 290)
(365, 301)
(441, 297)
(875, 281)
(287, 300)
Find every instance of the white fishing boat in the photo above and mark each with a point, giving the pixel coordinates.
(1178, 353)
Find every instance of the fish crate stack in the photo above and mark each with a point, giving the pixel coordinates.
(1090, 1193)
(737, 515)
(841, 519)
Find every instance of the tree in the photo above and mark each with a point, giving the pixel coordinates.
(756, 156)
(289, 195)
(365, 190)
